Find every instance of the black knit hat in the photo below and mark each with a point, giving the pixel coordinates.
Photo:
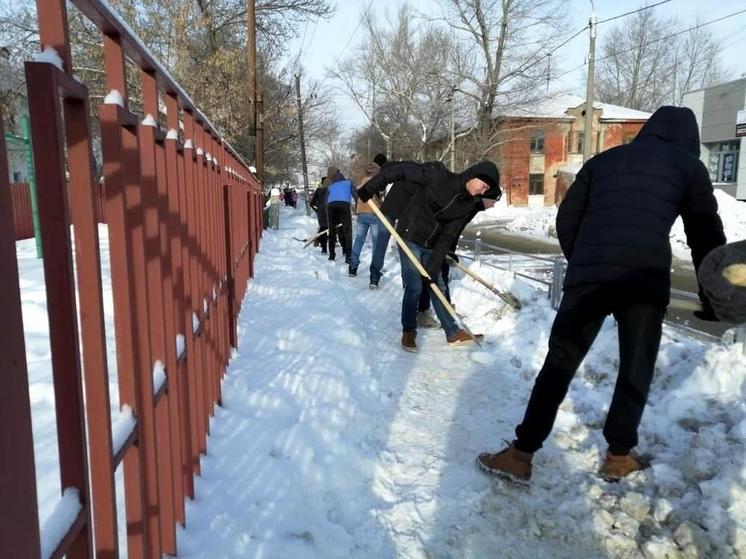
(380, 159)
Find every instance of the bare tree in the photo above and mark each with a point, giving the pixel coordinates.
(501, 47)
(645, 63)
(398, 79)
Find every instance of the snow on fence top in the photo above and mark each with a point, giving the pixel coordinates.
(108, 20)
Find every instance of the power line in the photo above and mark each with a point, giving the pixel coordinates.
(359, 23)
(632, 12)
(672, 35)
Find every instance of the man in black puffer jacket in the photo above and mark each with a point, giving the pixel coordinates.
(614, 228)
(431, 224)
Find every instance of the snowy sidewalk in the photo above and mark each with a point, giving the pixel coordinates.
(333, 442)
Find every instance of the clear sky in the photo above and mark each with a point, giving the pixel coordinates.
(324, 41)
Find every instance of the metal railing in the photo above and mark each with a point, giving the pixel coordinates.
(556, 267)
(184, 221)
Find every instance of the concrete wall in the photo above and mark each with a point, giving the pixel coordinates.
(716, 109)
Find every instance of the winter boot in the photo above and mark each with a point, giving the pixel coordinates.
(332, 256)
(509, 463)
(348, 258)
(352, 271)
(616, 467)
(462, 338)
(426, 320)
(373, 283)
(408, 341)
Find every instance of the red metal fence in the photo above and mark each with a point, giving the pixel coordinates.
(20, 197)
(184, 221)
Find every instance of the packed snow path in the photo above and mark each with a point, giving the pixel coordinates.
(333, 442)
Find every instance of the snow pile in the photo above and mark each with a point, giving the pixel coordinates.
(60, 521)
(50, 56)
(733, 214)
(114, 98)
(121, 427)
(149, 120)
(195, 322)
(180, 345)
(333, 442)
(539, 223)
(172, 134)
(159, 376)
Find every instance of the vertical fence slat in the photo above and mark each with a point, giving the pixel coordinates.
(19, 524)
(84, 200)
(46, 126)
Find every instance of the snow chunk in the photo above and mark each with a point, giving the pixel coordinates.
(199, 151)
(121, 427)
(172, 134)
(188, 144)
(180, 345)
(50, 56)
(252, 169)
(114, 98)
(205, 305)
(159, 376)
(195, 322)
(149, 121)
(208, 156)
(59, 522)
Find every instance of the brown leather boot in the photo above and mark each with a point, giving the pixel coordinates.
(616, 467)
(461, 337)
(408, 341)
(510, 463)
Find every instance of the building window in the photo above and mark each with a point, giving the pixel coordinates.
(536, 185)
(537, 141)
(575, 142)
(723, 161)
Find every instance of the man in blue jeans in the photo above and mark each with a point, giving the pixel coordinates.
(366, 221)
(442, 206)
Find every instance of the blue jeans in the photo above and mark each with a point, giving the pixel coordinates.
(365, 222)
(379, 251)
(413, 288)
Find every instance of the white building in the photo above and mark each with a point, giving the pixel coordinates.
(717, 109)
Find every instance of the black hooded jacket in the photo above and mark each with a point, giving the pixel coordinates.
(615, 221)
(440, 208)
(399, 195)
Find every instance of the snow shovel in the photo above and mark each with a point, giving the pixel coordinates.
(684, 305)
(421, 270)
(312, 239)
(506, 296)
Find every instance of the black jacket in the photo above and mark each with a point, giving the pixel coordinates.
(318, 203)
(615, 221)
(399, 194)
(439, 209)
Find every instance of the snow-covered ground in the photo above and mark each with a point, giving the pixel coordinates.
(333, 442)
(539, 223)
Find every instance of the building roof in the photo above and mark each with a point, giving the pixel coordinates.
(557, 107)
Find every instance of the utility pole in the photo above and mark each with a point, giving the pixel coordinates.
(302, 140)
(588, 133)
(260, 133)
(256, 105)
(453, 131)
(251, 48)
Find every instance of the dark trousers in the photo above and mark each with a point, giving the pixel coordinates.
(577, 324)
(339, 212)
(427, 295)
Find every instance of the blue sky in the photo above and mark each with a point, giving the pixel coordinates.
(324, 40)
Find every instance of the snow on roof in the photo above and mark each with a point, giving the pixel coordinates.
(557, 107)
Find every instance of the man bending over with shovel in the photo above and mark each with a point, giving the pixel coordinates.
(430, 225)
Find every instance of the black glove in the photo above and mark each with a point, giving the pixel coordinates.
(426, 282)
(365, 193)
(453, 256)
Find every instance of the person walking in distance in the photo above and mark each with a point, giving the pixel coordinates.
(366, 221)
(338, 202)
(318, 203)
(613, 227)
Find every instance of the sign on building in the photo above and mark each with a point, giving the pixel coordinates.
(741, 124)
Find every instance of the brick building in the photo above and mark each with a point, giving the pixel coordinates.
(541, 146)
